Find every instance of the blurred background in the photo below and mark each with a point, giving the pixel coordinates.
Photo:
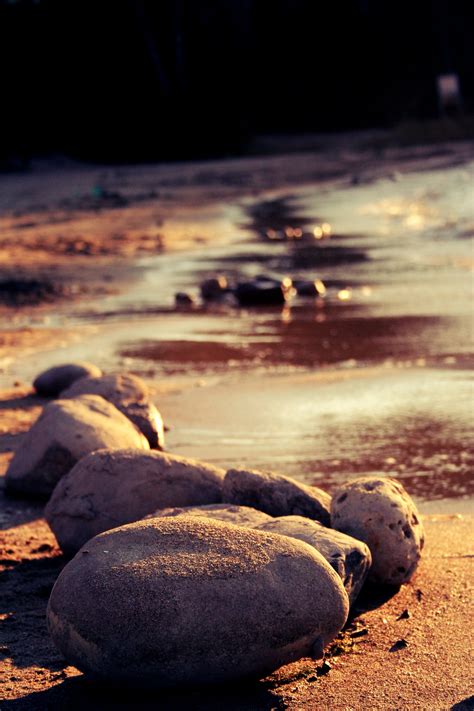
(135, 80)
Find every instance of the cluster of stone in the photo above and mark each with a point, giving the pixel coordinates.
(183, 573)
(94, 411)
(262, 290)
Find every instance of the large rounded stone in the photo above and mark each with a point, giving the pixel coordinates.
(50, 382)
(117, 389)
(349, 557)
(65, 432)
(130, 395)
(108, 489)
(275, 494)
(181, 601)
(238, 515)
(379, 512)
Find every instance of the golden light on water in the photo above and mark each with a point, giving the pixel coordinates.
(322, 231)
(415, 221)
(320, 287)
(344, 294)
(293, 232)
(413, 214)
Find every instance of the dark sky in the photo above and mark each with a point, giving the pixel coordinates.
(176, 78)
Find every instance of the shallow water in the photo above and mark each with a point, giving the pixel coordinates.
(375, 376)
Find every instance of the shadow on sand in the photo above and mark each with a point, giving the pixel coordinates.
(78, 693)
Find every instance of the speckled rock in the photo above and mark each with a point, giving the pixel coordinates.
(379, 512)
(349, 557)
(170, 602)
(238, 515)
(130, 395)
(50, 382)
(65, 432)
(108, 489)
(275, 494)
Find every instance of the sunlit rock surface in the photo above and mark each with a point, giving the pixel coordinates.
(65, 432)
(380, 512)
(180, 601)
(130, 395)
(349, 557)
(275, 494)
(230, 513)
(111, 488)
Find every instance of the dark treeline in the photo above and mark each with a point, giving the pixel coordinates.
(150, 79)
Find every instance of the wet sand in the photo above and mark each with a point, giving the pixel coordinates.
(377, 376)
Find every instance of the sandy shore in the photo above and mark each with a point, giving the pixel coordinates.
(229, 393)
(430, 672)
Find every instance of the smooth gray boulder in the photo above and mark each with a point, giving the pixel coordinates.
(276, 495)
(50, 382)
(379, 511)
(171, 602)
(65, 432)
(237, 515)
(131, 396)
(110, 488)
(349, 557)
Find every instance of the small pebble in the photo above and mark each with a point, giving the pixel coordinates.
(400, 644)
(325, 668)
(404, 615)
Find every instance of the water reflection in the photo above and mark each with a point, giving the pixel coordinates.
(304, 336)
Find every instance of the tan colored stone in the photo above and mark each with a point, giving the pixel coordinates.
(379, 511)
(130, 395)
(349, 557)
(170, 602)
(237, 515)
(50, 382)
(110, 488)
(275, 494)
(65, 432)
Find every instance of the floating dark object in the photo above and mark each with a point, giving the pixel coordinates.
(182, 299)
(399, 644)
(264, 291)
(308, 287)
(214, 288)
